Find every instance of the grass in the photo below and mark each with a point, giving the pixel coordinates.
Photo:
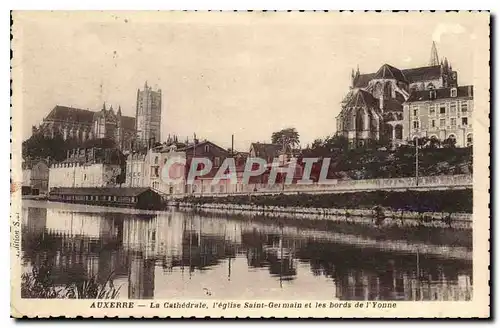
(38, 284)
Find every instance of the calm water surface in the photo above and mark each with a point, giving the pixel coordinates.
(179, 255)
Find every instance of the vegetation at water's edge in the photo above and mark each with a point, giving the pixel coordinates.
(38, 284)
(450, 201)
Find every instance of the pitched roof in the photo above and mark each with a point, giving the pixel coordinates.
(265, 150)
(363, 79)
(389, 72)
(70, 114)
(111, 191)
(199, 144)
(423, 95)
(411, 75)
(362, 98)
(422, 73)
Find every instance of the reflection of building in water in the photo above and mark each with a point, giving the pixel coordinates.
(75, 246)
(270, 250)
(141, 280)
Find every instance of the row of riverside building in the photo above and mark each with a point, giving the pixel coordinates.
(105, 168)
(392, 105)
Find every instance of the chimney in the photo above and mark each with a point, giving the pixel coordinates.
(232, 145)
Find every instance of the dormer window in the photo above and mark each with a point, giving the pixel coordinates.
(432, 94)
(453, 92)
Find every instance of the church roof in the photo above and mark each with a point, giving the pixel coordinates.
(70, 114)
(410, 75)
(362, 98)
(85, 116)
(422, 73)
(363, 79)
(389, 72)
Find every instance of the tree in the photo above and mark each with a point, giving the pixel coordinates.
(288, 137)
(449, 143)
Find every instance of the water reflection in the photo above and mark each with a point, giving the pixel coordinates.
(183, 255)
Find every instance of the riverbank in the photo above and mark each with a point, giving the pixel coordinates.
(438, 209)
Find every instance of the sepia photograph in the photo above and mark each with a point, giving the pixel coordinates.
(250, 164)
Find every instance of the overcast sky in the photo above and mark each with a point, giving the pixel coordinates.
(244, 74)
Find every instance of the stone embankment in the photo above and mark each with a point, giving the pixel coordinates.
(376, 216)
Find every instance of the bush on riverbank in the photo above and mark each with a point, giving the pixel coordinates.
(419, 201)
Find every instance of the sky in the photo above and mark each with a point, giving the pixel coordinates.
(247, 74)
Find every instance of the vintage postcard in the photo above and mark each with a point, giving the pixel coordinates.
(250, 164)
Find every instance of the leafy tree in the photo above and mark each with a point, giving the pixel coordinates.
(288, 137)
(449, 143)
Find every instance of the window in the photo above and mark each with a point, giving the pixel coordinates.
(433, 123)
(453, 92)
(442, 122)
(156, 160)
(207, 148)
(464, 107)
(432, 109)
(415, 124)
(84, 177)
(469, 140)
(453, 122)
(442, 109)
(465, 121)
(164, 161)
(453, 107)
(432, 94)
(415, 111)
(217, 161)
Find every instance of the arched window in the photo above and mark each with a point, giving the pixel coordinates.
(388, 89)
(378, 90)
(398, 132)
(359, 122)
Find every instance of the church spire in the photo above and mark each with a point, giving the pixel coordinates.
(103, 106)
(434, 60)
(119, 110)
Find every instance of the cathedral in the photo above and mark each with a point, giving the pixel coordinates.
(373, 108)
(126, 132)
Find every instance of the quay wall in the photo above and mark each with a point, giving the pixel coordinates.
(461, 221)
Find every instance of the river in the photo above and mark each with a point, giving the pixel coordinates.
(185, 255)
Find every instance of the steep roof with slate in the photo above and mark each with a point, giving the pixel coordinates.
(410, 75)
(389, 72)
(70, 114)
(362, 98)
(422, 73)
(363, 79)
(424, 95)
